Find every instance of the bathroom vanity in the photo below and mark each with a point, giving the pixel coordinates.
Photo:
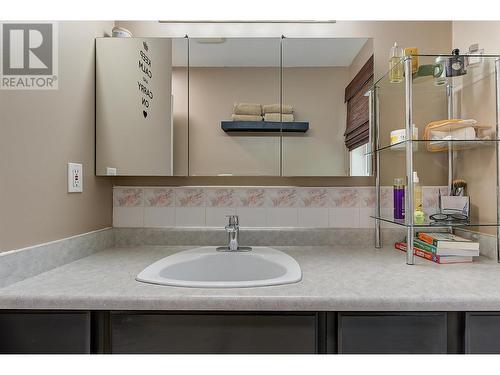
(181, 332)
(352, 299)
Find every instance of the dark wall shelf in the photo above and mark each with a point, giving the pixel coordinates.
(264, 126)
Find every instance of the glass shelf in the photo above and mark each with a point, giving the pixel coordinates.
(490, 59)
(456, 145)
(472, 97)
(436, 224)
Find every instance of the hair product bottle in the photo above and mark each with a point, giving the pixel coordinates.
(399, 198)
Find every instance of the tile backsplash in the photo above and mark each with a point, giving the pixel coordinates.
(303, 207)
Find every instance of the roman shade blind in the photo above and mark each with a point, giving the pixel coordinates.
(357, 125)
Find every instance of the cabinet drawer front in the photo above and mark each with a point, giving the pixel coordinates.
(392, 333)
(45, 333)
(482, 334)
(217, 333)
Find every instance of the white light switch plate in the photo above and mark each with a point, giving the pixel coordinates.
(75, 178)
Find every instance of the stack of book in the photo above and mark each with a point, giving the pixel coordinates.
(443, 248)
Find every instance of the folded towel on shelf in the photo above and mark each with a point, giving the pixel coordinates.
(236, 117)
(247, 109)
(275, 117)
(275, 108)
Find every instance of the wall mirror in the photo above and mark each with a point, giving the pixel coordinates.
(233, 106)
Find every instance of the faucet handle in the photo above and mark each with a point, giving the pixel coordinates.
(233, 219)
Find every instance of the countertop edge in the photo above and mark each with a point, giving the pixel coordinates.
(244, 304)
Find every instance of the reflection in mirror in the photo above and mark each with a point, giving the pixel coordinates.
(224, 72)
(320, 76)
(136, 125)
(180, 105)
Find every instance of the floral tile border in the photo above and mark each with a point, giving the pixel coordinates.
(281, 197)
(342, 207)
(159, 197)
(251, 197)
(345, 197)
(314, 198)
(128, 197)
(190, 197)
(265, 197)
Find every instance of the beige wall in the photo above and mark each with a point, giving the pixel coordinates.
(428, 36)
(40, 131)
(360, 59)
(486, 33)
(212, 92)
(317, 95)
(477, 101)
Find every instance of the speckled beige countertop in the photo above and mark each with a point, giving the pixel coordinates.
(335, 278)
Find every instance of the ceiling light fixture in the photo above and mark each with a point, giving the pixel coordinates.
(253, 21)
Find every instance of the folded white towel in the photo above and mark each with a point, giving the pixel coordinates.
(467, 133)
(246, 117)
(275, 108)
(275, 117)
(247, 109)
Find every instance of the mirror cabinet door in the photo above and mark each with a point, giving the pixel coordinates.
(316, 72)
(222, 72)
(134, 107)
(180, 90)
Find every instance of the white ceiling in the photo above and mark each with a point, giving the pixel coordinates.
(262, 52)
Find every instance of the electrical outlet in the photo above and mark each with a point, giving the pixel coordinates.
(474, 55)
(75, 178)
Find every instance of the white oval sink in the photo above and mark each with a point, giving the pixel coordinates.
(205, 267)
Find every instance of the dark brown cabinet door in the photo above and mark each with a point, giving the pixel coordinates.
(213, 333)
(482, 333)
(392, 333)
(44, 333)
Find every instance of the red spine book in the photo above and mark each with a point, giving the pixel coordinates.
(420, 253)
(432, 257)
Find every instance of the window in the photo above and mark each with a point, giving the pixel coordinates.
(359, 161)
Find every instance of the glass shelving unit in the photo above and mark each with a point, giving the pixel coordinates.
(428, 96)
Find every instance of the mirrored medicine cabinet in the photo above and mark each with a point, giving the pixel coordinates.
(227, 106)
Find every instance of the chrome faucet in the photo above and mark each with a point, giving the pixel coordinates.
(233, 231)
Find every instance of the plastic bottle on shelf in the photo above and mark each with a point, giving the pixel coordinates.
(418, 211)
(413, 52)
(399, 198)
(396, 64)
